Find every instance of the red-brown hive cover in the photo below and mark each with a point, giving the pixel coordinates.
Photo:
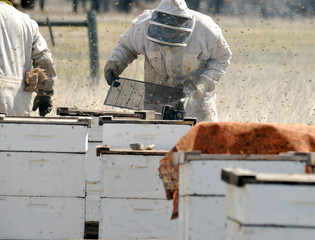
(235, 138)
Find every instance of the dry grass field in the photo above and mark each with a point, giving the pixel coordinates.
(271, 77)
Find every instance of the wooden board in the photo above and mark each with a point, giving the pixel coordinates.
(202, 217)
(95, 131)
(92, 202)
(163, 136)
(93, 163)
(203, 177)
(271, 204)
(131, 176)
(42, 174)
(106, 150)
(65, 111)
(41, 218)
(43, 137)
(236, 231)
(137, 219)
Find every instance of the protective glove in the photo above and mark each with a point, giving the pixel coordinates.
(203, 86)
(200, 92)
(44, 105)
(43, 100)
(111, 72)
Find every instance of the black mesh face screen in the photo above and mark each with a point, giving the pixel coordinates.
(171, 20)
(168, 35)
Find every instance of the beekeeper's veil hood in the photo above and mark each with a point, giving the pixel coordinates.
(172, 23)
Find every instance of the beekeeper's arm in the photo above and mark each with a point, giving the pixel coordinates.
(220, 55)
(42, 58)
(130, 45)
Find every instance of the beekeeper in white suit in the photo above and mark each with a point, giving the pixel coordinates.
(182, 48)
(21, 45)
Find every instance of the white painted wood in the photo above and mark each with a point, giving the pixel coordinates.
(202, 192)
(42, 137)
(234, 194)
(96, 134)
(93, 163)
(131, 176)
(93, 172)
(236, 231)
(204, 176)
(42, 174)
(271, 204)
(41, 218)
(137, 219)
(92, 202)
(163, 136)
(95, 131)
(202, 217)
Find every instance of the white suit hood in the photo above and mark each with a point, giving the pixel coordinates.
(175, 7)
(172, 23)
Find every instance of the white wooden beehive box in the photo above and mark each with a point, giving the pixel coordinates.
(137, 219)
(131, 174)
(95, 132)
(119, 134)
(133, 200)
(92, 164)
(41, 218)
(42, 174)
(42, 156)
(42, 177)
(202, 192)
(98, 117)
(32, 134)
(269, 205)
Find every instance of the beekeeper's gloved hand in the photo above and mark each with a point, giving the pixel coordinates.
(203, 86)
(43, 101)
(111, 72)
(44, 105)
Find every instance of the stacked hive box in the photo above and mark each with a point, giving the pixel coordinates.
(133, 204)
(92, 164)
(42, 180)
(133, 200)
(202, 193)
(104, 192)
(269, 206)
(120, 133)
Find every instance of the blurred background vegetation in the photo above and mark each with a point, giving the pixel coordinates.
(265, 8)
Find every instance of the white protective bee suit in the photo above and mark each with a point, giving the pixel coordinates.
(190, 55)
(21, 44)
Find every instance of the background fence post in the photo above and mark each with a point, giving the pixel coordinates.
(93, 45)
